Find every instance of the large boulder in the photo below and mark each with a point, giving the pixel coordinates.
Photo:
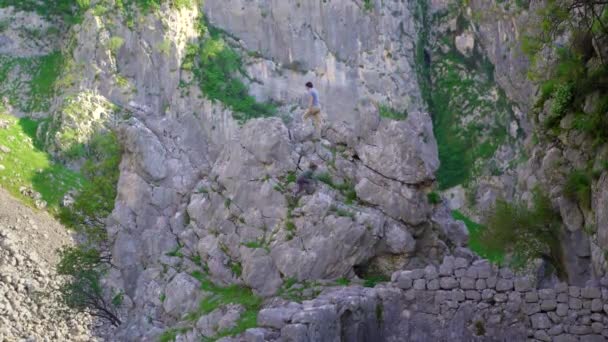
(182, 295)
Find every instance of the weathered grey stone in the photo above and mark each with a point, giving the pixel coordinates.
(500, 297)
(484, 269)
(565, 338)
(480, 284)
(473, 295)
(181, 295)
(531, 308)
(542, 336)
(471, 272)
(504, 285)
(467, 283)
(562, 309)
(554, 317)
(561, 287)
(259, 271)
(433, 285)
(458, 295)
(562, 297)
(575, 304)
(430, 272)
(465, 43)
(523, 284)
(597, 305)
(506, 273)
(275, 318)
(546, 294)
(540, 321)
(597, 317)
(405, 283)
(591, 293)
(556, 330)
(597, 327)
(419, 284)
(447, 266)
(531, 297)
(295, 332)
(548, 304)
(487, 294)
(448, 283)
(574, 291)
(461, 263)
(491, 282)
(592, 338)
(255, 335)
(579, 329)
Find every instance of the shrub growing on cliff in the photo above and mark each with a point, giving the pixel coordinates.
(84, 265)
(578, 188)
(528, 233)
(96, 200)
(82, 290)
(218, 70)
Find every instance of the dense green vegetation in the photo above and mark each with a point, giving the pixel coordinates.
(27, 94)
(84, 265)
(470, 114)
(25, 164)
(218, 70)
(454, 95)
(527, 233)
(476, 243)
(568, 78)
(69, 11)
(578, 188)
(95, 201)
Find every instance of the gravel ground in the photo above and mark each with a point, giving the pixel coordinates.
(29, 310)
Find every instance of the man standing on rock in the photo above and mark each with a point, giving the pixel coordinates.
(314, 108)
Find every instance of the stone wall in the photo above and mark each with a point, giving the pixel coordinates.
(459, 300)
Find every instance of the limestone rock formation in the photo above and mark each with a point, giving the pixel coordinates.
(207, 235)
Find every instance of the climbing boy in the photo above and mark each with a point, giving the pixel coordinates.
(314, 108)
(305, 181)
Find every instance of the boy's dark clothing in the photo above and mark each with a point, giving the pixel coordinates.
(305, 182)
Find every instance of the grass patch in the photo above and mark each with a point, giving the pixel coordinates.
(342, 212)
(374, 279)
(347, 188)
(391, 113)
(28, 165)
(343, 281)
(476, 244)
(29, 83)
(578, 188)
(233, 294)
(218, 70)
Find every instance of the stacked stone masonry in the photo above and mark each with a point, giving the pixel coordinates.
(459, 300)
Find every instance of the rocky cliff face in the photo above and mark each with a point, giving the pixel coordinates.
(205, 208)
(555, 156)
(200, 193)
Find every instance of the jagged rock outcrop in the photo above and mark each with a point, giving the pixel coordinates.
(351, 50)
(555, 157)
(201, 193)
(204, 188)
